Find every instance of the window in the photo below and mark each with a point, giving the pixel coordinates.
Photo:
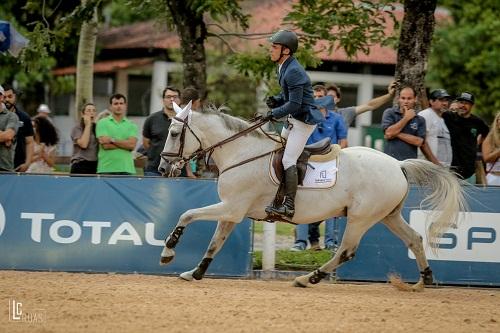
(139, 95)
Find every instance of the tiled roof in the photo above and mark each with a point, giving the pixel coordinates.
(107, 66)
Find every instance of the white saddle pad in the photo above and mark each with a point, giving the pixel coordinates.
(318, 174)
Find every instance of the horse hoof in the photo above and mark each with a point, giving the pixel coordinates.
(165, 260)
(167, 255)
(298, 283)
(187, 276)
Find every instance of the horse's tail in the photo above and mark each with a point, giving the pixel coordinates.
(446, 198)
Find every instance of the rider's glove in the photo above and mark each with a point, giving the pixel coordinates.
(271, 102)
(269, 115)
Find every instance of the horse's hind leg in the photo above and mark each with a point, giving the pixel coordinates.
(220, 211)
(222, 232)
(413, 241)
(355, 229)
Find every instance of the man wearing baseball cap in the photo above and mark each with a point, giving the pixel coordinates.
(43, 110)
(437, 145)
(467, 131)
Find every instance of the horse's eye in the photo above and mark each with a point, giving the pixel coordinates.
(174, 134)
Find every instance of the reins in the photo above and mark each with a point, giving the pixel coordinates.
(207, 152)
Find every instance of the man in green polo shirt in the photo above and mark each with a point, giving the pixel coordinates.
(117, 139)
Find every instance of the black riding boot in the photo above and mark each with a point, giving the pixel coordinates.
(287, 209)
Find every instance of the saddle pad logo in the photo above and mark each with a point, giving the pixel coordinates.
(318, 174)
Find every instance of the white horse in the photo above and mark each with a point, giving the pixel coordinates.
(371, 186)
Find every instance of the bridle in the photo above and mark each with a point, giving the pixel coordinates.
(181, 147)
(207, 152)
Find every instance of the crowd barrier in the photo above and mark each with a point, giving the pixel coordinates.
(468, 255)
(110, 224)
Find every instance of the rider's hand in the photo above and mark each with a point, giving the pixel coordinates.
(271, 102)
(269, 115)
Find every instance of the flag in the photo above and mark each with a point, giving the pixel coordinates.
(11, 40)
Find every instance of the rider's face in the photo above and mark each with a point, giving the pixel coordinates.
(275, 51)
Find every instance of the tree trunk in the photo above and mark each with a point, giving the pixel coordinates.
(192, 33)
(415, 42)
(85, 64)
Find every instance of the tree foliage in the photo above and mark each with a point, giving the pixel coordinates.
(340, 24)
(465, 54)
(49, 25)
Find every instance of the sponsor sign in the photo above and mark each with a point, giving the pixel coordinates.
(475, 238)
(110, 225)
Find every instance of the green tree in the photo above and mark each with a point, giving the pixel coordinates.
(466, 51)
(49, 25)
(85, 62)
(340, 24)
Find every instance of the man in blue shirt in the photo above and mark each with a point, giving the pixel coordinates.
(404, 130)
(332, 127)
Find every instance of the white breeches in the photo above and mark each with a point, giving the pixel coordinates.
(296, 140)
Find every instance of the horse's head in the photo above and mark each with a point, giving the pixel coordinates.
(181, 143)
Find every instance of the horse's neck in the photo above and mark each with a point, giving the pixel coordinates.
(238, 150)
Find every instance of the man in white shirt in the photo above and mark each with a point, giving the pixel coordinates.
(437, 145)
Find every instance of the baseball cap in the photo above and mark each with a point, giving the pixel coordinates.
(43, 108)
(439, 93)
(466, 97)
(1, 90)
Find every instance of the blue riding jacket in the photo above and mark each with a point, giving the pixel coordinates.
(296, 97)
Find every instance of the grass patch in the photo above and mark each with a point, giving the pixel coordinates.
(282, 229)
(295, 261)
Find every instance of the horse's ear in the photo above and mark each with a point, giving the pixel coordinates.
(188, 106)
(186, 111)
(177, 108)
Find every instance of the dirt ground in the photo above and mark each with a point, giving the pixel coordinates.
(76, 302)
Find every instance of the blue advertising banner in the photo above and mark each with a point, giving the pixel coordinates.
(110, 224)
(468, 255)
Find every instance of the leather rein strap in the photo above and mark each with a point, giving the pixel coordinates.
(207, 152)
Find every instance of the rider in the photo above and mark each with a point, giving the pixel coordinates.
(295, 101)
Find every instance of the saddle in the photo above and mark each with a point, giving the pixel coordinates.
(319, 151)
(321, 147)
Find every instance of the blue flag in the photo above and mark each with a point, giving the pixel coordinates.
(11, 40)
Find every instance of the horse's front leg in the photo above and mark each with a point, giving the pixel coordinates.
(220, 236)
(219, 211)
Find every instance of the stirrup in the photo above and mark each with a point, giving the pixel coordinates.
(286, 215)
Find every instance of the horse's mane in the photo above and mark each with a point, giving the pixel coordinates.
(230, 122)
